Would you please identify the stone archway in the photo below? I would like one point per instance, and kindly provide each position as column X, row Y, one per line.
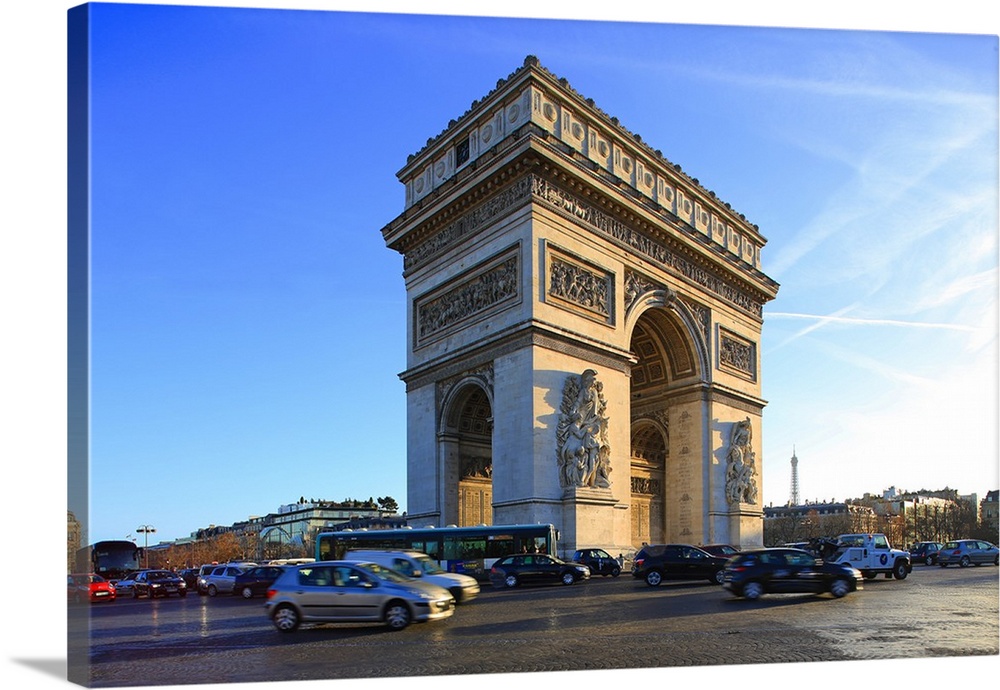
column 669, row 359
column 650, row 449
column 467, row 445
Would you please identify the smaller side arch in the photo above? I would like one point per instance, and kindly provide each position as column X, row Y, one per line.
column 465, row 451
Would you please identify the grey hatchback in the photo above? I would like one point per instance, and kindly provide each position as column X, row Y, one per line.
column 353, row 592
column 967, row 552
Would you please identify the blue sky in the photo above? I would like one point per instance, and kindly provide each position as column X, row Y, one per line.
column 247, row 319
column 247, row 166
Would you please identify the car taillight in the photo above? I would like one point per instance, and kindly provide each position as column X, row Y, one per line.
column 956, row 552
column 271, row 593
column 737, row 568
column 639, row 562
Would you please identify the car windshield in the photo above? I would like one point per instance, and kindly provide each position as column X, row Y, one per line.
column 383, row 573
column 161, row 575
column 428, row 565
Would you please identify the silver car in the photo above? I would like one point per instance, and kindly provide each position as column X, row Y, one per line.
column 221, row 580
column 965, row 552
column 353, row 592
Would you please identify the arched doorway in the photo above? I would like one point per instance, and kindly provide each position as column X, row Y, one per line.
column 468, row 436
column 649, row 463
column 666, row 362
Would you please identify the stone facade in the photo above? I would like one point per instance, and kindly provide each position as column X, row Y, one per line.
column 584, row 323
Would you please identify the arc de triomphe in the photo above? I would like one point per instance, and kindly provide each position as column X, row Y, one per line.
column 584, row 323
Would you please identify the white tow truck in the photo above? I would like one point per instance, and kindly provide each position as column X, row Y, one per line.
column 872, row 554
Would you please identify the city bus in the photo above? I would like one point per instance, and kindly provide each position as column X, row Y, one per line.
column 112, row 560
column 467, row 550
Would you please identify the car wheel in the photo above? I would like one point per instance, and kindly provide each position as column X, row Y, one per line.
column 996, row 560
column 943, row 565
column 247, row 593
column 135, row 593
column 928, row 561
column 397, row 615
column 616, row 571
column 568, row 579
column 840, row 587
column 869, row 575
column 899, row 570
column 286, row 618
column 752, row 590
column 718, row 577
column 654, row 578
column 212, row 590
column 510, row 581
column 457, row 593
column 964, row 563
column 183, row 593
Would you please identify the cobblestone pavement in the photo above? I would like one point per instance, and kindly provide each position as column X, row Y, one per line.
column 602, row 624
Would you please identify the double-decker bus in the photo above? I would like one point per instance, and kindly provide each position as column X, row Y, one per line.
column 468, row 550
column 112, row 560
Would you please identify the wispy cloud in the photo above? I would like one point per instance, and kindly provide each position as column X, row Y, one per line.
column 822, row 320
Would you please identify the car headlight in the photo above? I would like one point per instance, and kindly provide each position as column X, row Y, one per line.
column 422, row 594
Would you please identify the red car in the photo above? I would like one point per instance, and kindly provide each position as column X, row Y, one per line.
column 81, row 587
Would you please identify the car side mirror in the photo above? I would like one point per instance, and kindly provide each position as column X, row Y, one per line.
column 417, row 573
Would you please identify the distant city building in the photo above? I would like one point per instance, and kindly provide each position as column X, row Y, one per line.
column 989, row 515
column 296, row 524
column 794, row 523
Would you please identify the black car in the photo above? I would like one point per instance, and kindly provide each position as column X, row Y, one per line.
column 658, row 562
column 724, row 550
column 782, row 570
column 925, row 552
column 151, row 583
column 599, row 561
column 256, row 580
column 535, row 568
column 190, row 577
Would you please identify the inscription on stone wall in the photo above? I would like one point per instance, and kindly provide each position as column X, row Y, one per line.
column 685, row 467
column 475, row 296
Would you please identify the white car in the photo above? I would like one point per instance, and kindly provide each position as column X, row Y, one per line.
column 414, row 564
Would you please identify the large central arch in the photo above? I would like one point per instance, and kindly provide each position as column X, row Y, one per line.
column 670, row 360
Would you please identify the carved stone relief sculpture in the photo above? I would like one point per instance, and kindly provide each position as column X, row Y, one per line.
column 741, row 466
column 582, row 435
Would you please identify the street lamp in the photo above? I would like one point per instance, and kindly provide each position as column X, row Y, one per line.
column 144, row 530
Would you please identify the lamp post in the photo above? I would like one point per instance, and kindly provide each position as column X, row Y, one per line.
column 144, row 530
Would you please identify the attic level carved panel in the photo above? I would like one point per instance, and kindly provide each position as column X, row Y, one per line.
column 483, row 291
column 737, row 355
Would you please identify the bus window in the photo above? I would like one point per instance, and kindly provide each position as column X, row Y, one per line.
column 500, row 547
